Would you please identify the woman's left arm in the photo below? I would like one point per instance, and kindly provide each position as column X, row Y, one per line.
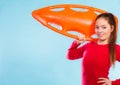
column 117, row 81
column 106, row 81
column 118, row 53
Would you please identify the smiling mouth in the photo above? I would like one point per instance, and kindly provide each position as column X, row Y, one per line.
column 100, row 35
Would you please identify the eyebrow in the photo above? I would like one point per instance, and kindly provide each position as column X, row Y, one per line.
column 101, row 25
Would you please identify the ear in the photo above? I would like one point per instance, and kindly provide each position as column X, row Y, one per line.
column 112, row 28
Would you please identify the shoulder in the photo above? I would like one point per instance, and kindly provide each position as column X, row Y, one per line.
column 117, row 47
column 89, row 43
column 118, row 52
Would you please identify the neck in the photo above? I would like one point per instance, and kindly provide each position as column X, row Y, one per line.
column 102, row 42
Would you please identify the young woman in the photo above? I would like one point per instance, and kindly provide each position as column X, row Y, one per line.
column 99, row 56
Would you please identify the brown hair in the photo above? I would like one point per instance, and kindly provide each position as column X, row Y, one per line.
column 113, row 37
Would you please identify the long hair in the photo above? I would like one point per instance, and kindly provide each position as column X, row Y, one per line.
column 113, row 36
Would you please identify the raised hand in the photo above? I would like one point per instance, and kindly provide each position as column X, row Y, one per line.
column 81, row 38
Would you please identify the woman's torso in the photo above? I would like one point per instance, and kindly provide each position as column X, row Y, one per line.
column 95, row 63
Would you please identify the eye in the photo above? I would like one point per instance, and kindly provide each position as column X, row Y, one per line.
column 104, row 27
column 96, row 27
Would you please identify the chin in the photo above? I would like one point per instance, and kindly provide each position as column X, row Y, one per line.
column 102, row 39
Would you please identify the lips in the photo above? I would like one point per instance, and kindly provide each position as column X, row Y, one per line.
column 100, row 35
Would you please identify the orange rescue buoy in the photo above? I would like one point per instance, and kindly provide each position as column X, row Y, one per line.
column 67, row 19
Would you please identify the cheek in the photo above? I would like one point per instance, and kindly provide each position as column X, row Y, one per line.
column 108, row 32
column 95, row 30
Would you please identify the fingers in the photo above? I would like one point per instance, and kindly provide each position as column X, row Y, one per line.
column 104, row 81
column 81, row 38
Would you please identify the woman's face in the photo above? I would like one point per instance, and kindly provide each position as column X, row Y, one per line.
column 103, row 29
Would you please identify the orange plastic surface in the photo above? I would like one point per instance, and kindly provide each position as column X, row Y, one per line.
column 67, row 19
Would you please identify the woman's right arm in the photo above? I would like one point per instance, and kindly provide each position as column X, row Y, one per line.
column 74, row 52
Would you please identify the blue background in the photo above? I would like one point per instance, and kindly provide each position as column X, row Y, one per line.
column 31, row 54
